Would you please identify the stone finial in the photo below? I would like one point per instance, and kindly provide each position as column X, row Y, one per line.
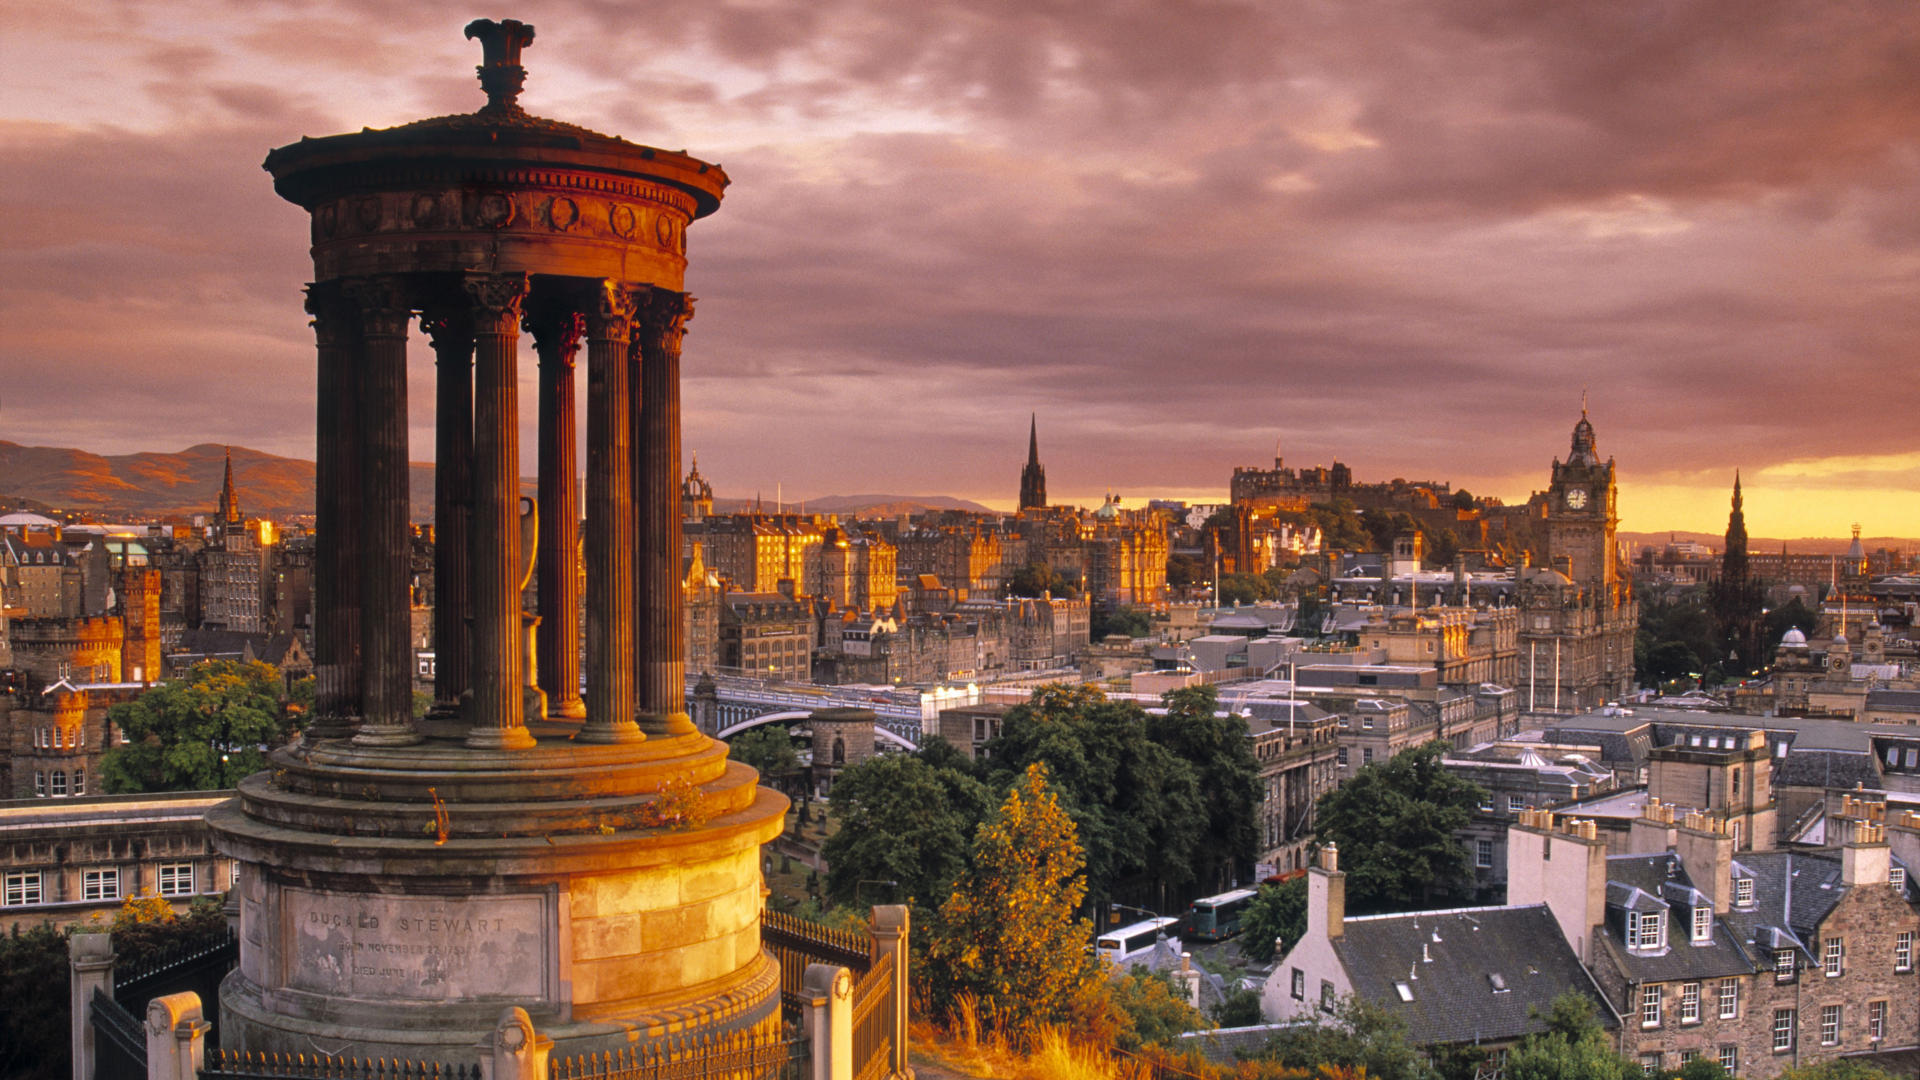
column 501, row 75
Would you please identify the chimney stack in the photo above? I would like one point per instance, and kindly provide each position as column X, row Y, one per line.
column 1327, row 895
column 1866, row 858
column 1706, row 850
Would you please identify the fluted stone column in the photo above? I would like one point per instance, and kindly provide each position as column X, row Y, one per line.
column 661, row 666
column 610, row 586
column 336, row 581
column 386, row 547
column 450, row 326
column 497, row 720
column 556, row 329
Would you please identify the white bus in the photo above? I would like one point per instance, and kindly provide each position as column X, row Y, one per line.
column 1130, row 941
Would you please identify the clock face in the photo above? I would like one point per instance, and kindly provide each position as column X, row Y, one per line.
column 1576, row 498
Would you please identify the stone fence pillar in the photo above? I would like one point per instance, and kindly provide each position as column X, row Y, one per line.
column 828, row 989
column 515, row 1051
column 90, row 960
column 889, row 931
column 176, row 1037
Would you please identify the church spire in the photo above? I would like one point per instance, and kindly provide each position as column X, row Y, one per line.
column 1033, row 478
column 229, row 497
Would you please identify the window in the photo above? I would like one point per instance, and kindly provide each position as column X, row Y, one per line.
column 1729, row 999
column 1646, row 929
column 1299, row 985
column 1782, row 1030
column 1366, row 755
column 1743, row 891
column 1650, row 1005
column 1783, row 965
column 1897, row 877
column 176, row 879
column 22, row 888
column 100, row 885
column 1483, row 853
column 1876, row 1021
column 1729, row 1057
column 1829, row 1025
column 1486, row 805
column 59, row 784
column 1736, row 781
column 1343, row 757
column 1903, row 951
column 1650, row 1063
column 1366, row 722
column 1515, row 803
column 1830, row 956
column 40, row 782
column 1690, row 1003
column 1326, row 995
column 1703, row 923
column 1688, row 1057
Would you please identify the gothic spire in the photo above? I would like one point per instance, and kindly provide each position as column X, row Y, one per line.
column 1033, row 478
column 229, row 497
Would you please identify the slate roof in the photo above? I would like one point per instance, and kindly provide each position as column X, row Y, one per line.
column 1227, row 1046
column 1649, row 882
column 1448, row 961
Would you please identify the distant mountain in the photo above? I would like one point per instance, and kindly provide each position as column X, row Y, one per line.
column 160, row 485
column 868, row 506
column 1805, row 545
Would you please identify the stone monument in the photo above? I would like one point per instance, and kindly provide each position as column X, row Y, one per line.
column 402, row 881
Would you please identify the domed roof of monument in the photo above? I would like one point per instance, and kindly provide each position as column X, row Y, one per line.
column 1793, row 639
column 500, row 131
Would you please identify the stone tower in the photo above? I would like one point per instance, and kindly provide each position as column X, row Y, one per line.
column 1581, row 515
column 696, row 495
column 403, row 881
column 229, row 496
column 1033, row 478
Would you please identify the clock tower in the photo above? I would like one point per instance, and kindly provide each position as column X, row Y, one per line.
column 1581, row 517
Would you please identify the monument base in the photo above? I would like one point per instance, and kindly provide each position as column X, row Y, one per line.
column 394, row 900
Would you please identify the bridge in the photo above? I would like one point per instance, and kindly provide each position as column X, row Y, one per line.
column 902, row 715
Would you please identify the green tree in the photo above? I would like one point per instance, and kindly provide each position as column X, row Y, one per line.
column 1151, row 1011
column 768, row 748
column 1463, row 500
column 1244, row 588
column 1239, row 1007
column 1184, row 570
column 1357, row 1034
column 1007, row 935
column 202, row 732
column 1220, row 752
column 1136, row 806
column 1276, row 911
column 1037, row 579
column 1130, row 621
column 33, row 1004
column 1396, row 824
column 1340, row 527
column 1574, row 1047
column 904, row 820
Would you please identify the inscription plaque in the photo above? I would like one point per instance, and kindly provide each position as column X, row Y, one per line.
column 416, row 948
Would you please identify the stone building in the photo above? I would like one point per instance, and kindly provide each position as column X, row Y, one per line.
column 1296, row 745
column 64, row 863
column 842, row 738
column 236, row 568
column 1033, row 478
column 767, row 633
column 1759, row 960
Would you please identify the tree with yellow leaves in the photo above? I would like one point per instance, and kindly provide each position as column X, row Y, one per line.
column 1007, row 938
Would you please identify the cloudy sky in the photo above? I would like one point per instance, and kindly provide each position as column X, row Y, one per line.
column 1404, row 235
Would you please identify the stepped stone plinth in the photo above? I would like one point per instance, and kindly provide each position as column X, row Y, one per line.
column 402, row 881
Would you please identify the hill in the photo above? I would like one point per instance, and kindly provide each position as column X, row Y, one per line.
column 176, row 485
column 1815, row 545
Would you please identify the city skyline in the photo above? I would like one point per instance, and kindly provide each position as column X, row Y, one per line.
column 1405, row 241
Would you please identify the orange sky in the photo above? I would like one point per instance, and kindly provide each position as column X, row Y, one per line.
column 1406, row 236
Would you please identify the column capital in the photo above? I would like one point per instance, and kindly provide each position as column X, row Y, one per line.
column 557, row 327
column 611, row 312
column 497, row 300
column 384, row 303
column 662, row 317
column 449, row 326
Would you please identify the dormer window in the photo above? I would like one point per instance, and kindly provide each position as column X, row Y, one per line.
column 1743, row 891
column 1897, row 877
column 1702, row 924
column 1783, row 965
column 1646, row 929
